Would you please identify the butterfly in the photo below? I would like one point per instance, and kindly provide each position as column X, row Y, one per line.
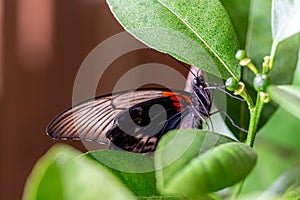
column 134, row 120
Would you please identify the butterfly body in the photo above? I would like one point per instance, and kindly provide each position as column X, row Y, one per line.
column 134, row 120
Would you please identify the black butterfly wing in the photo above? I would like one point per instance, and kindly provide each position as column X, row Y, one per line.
column 109, row 118
column 149, row 121
column 83, row 121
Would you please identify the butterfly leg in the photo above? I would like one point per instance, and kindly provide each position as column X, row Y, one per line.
column 221, row 88
column 231, row 121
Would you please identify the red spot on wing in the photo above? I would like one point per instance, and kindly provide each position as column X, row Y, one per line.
column 168, row 93
column 187, row 99
column 177, row 99
column 177, row 105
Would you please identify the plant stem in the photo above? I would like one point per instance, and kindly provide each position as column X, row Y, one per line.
column 272, row 57
column 254, row 119
column 255, row 112
column 252, row 68
column 248, row 99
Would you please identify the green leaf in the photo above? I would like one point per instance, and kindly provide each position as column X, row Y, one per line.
column 136, row 171
column 197, row 32
column 272, row 161
column 296, row 78
column 257, row 195
column 291, row 193
column 287, row 96
column 59, row 175
column 288, row 183
column 285, row 61
column 193, row 162
column 259, row 37
column 285, row 19
column 239, row 13
column 282, row 129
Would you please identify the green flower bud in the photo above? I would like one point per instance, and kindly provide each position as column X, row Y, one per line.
column 231, row 84
column 261, row 82
column 241, row 54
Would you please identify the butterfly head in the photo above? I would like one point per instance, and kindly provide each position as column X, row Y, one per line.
column 199, row 81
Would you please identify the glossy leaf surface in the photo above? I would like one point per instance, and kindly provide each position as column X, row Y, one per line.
column 59, row 175
column 285, row 19
column 288, row 97
column 136, row 171
column 196, row 32
column 205, row 160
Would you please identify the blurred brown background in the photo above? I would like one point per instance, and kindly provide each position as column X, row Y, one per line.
column 42, row 44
